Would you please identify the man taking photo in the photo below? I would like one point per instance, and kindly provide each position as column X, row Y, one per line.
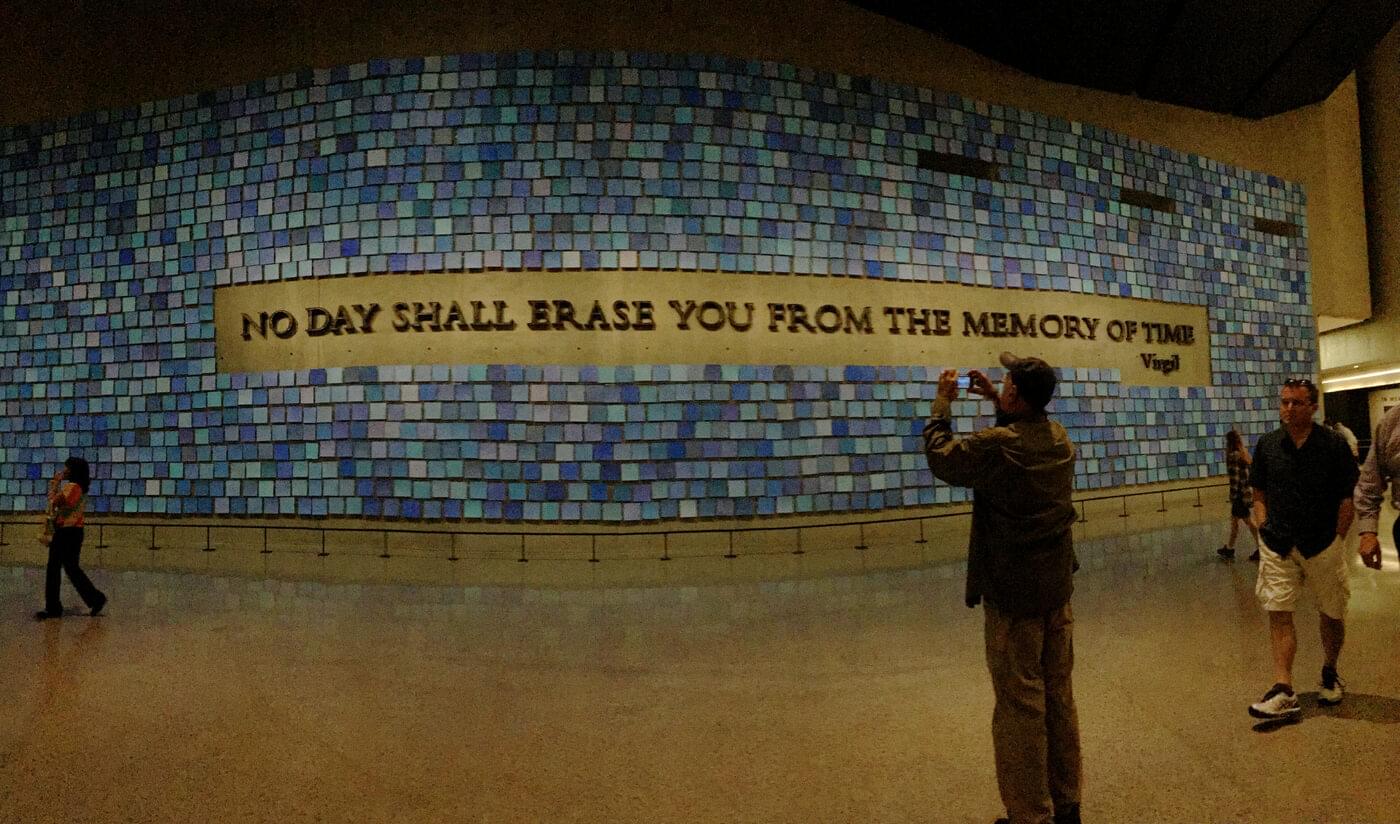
column 1020, row 566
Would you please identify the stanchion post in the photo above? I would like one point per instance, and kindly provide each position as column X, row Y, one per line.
column 730, row 553
column 452, row 554
column 265, row 550
column 1164, row 502
column 522, row 559
column 385, row 553
column 3, row 542
column 665, row 546
column 593, row 549
column 323, row 553
column 1083, row 512
column 208, row 538
column 101, row 543
column 153, row 546
column 922, row 539
column 861, row 546
column 1198, row 503
column 799, row 550
column 1124, row 513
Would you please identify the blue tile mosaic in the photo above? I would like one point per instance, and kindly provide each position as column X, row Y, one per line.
column 116, row 226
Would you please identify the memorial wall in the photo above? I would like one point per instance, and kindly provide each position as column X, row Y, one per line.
column 562, row 286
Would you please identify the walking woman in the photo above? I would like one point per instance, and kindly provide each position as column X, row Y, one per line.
column 68, row 497
column 1237, row 462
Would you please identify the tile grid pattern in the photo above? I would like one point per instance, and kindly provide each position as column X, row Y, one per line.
column 116, row 226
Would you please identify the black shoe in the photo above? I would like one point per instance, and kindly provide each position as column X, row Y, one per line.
column 44, row 615
column 1002, row 821
column 1331, row 691
column 1254, row 556
column 97, row 610
column 1068, row 815
column 1226, row 553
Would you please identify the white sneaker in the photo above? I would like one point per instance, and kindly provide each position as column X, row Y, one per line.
column 1278, row 702
column 1329, row 694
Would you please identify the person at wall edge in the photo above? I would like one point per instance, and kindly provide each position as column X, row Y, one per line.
column 1303, row 477
column 68, row 498
column 1381, row 469
column 1020, row 567
column 1241, row 496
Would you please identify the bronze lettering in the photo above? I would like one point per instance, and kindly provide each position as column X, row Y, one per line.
column 893, row 313
column 1022, row 328
column 500, row 324
column 645, row 321
column 717, row 316
column 918, row 318
column 427, row 314
column 366, row 316
column 1059, row 326
column 828, row 318
column 859, row 323
column 318, row 321
column 976, row 327
column 597, row 319
column 564, row 313
column 401, row 321
column 731, row 310
column 940, row 322
column 797, row 314
column 622, row 323
column 283, row 324
column 683, row 312
column 776, row 313
column 539, row 315
column 455, row 318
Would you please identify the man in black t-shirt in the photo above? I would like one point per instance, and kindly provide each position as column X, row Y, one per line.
column 1303, row 475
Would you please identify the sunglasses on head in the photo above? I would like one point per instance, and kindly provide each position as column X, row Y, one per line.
column 1298, row 382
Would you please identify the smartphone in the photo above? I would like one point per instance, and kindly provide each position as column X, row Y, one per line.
column 964, row 381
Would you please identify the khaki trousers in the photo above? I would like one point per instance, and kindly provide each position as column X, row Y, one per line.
column 1035, row 728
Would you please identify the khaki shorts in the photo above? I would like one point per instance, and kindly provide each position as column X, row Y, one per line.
column 1281, row 579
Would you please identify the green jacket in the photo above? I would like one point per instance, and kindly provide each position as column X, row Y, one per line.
column 1021, row 553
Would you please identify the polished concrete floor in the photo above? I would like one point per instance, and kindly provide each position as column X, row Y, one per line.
column 859, row 698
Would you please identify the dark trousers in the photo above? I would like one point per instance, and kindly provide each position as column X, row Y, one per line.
column 63, row 554
column 1035, row 726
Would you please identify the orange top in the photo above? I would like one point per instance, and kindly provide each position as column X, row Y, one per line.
column 68, row 505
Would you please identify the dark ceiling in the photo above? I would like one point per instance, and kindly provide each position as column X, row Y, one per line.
column 1251, row 58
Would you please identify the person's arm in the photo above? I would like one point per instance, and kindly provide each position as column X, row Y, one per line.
column 55, row 489
column 1244, row 455
column 1345, row 513
column 1258, row 478
column 1366, row 502
column 958, row 461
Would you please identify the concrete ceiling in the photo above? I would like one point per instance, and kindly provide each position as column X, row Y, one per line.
column 1250, row 58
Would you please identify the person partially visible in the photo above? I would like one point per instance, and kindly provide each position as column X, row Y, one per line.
column 1347, row 435
column 1020, row 567
column 1382, row 469
column 68, row 499
column 1303, row 478
column 1237, row 463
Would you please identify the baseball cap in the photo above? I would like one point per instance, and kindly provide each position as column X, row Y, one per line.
column 1034, row 378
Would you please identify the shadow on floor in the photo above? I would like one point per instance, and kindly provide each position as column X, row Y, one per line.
column 1357, row 706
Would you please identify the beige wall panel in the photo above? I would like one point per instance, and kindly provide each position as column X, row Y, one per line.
column 698, row 318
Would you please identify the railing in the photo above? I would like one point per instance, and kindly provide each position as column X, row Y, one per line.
column 666, row 535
